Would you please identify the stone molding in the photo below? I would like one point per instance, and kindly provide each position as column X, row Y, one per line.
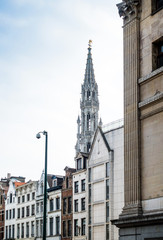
column 156, row 97
column 150, row 75
column 127, row 8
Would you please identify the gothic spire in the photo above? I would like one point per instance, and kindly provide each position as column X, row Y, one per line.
column 89, row 106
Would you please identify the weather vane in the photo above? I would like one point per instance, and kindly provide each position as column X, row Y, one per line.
column 90, row 43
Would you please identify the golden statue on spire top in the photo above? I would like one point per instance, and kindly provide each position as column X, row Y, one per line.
column 90, row 43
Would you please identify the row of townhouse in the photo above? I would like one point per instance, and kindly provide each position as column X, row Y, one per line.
column 81, row 204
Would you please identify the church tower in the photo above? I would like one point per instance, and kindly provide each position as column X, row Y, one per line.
column 89, row 105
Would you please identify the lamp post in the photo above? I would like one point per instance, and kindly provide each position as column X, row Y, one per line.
column 45, row 181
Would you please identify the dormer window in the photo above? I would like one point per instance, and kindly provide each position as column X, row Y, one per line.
column 54, row 182
column 79, row 164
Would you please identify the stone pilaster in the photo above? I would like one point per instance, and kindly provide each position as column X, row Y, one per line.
column 129, row 11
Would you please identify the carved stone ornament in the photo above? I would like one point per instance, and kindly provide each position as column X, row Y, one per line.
column 127, row 7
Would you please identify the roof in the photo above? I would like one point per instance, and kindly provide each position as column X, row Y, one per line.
column 17, row 184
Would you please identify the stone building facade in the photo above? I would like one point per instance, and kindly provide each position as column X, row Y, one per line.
column 142, row 215
column 79, row 198
column 67, row 204
column 105, row 181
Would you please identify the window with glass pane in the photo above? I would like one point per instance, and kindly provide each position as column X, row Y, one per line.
column 89, row 175
column 28, row 197
column 57, row 225
column 6, row 232
column 33, row 209
column 64, row 206
column 89, row 233
column 67, row 182
column 89, row 199
column 27, row 211
column 13, row 213
column 18, row 199
column 57, row 203
column 69, row 228
column 18, row 230
column 83, row 185
column 27, row 229
column 83, row 226
column 23, row 198
column 64, row 228
column 107, row 169
column 18, row 212
column 33, row 195
column 22, row 231
column 83, row 204
column 42, row 206
column 79, row 164
column 13, row 231
column 76, row 227
column 10, row 214
column 37, row 228
column 89, row 217
column 51, row 226
column 41, row 228
column 51, row 204
column 107, row 189
column 32, row 228
column 76, row 205
column 76, row 186
column 107, row 232
column 69, row 204
column 6, row 214
column 22, row 212
column 9, row 231
column 107, row 211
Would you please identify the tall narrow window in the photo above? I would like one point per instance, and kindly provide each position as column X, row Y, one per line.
column 69, row 228
column 88, row 95
column 22, row 212
column 33, row 209
column 41, row 228
column 79, row 164
column 10, row 197
column 157, row 54
column 18, row 230
column 51, row 204
column 107, row 211
column 107, row 232
column 89, row 196
column 89, row 233
column 32, row 228
column 94, row 122
column 76, row 205
column 76, row 227
column 88, row 122
column 107, row 169
column 83, row 204
column 67, row 182
column 13, row 231
column 83, row 121
column 27, row 229
column 37, row 228
column 13, row 213
column 10, row 232
column 64, row 206
column 83, row 226
column 57, row 220
column 107, row 189
column 89, row 216
column 89, row 175
column 6, row 214
column 88, row 147
column 51, row 226
column 22, row 230
column 6, row 232
column 76, row 186
column 27, row 211
column 18, row 212
column 83, row 185
column 57, row 203
column 69, row 204
column 93, row 95
column 64, row 228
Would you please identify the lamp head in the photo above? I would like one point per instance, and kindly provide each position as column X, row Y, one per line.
column 38, row 135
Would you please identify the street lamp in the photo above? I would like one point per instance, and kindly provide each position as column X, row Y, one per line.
column 45, row 181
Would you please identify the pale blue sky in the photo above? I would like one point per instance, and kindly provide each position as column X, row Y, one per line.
column 43, row 51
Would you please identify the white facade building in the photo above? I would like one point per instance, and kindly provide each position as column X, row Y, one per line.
column 79, row 198
column 54, row 187
column 10, row 207
column 26, row 205
column 105, row 181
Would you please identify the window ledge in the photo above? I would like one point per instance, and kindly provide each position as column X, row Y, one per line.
column 151, row 75
column 152, row 99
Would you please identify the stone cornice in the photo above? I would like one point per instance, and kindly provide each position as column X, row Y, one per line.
column 158, row 96
column 127, row 8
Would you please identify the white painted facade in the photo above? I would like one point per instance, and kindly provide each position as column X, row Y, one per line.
column 79, row 205
column 10, row 211
column 105, row 182
column 26, row 208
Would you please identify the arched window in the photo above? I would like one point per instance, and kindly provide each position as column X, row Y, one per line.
column 94, row 122
column 88, row 146
column 88, row 95
column 88, row 122
column 93, row 95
